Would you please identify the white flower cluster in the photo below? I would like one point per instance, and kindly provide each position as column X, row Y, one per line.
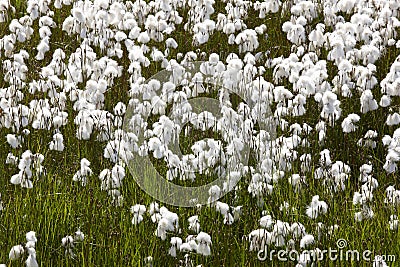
column 331, row 63
column 168, row 222
column 364, row 197
column 84, row 172
column 283, row 234
column 68, row 242
column 333, row 175
column 231, row 214
column 111, row 181
column 316, row 207
column 201, row 244
column 17, row 251
column 5, row 7
column 393, row 155
column 29, row 165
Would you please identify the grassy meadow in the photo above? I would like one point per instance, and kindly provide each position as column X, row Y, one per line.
column 57, row 206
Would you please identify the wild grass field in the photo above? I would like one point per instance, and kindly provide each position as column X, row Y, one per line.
column 310, row 88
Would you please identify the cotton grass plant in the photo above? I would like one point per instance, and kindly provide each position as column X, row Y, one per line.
column 325, row 74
